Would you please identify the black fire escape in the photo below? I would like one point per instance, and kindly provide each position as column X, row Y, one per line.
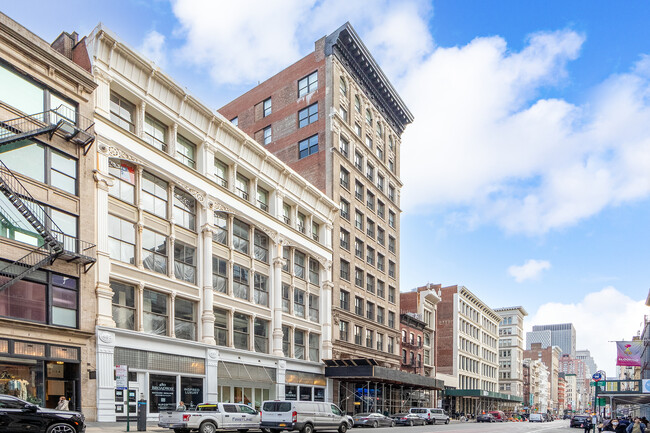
column 55, row 243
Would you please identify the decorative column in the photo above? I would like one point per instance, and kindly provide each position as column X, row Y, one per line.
column 211, row 368
column 251, row 333
column 105, row 376
column 326, row 311
column 172, row 232
column 140, row 307
column 139, row 124
column 253, row 195
column 233, row 178
column 140, row 223
column 103, row 289
column 207, row 315
column 278, row 263
column 231, row 312
column 172, row 309
column 171, row 148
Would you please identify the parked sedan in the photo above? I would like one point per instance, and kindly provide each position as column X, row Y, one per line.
column 372, row 420
column 409, row 419
column 21, row 416
column 485, row 417
column 578, row 420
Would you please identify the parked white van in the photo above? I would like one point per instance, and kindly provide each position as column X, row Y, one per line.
column 303, row 416
column 431, row 415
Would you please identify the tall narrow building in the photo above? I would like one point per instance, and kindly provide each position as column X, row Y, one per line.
column 334, row 118
column 511, row 351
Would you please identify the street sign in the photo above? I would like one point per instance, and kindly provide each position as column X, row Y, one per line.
column 599, row 383
column 597, row 376
column 121, row 377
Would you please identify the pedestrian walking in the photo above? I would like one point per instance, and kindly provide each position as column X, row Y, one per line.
column 636, row 427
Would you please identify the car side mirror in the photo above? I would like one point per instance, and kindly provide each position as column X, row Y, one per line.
column 30, row 408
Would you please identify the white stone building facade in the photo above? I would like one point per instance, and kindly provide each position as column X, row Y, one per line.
column 511, row 350
column 203, row 290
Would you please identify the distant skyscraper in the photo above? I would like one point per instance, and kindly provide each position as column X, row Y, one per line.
column 586, row 357
column 541, row 337
column 562, row 335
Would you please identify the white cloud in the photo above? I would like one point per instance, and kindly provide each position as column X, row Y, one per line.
column 531, row 270
column 153, row 47
column 600, row 317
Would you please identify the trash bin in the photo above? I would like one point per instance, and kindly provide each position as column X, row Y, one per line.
column 142, row 415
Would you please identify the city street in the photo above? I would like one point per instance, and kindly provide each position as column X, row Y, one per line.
column 454, row 427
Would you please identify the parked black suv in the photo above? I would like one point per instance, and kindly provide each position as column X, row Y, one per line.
column 19, row 416
column 578, row 420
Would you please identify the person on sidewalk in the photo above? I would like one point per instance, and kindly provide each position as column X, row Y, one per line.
column 181, row 406
column 636, row 427
column 63, row 404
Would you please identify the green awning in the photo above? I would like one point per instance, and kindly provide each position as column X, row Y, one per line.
column 482, row 393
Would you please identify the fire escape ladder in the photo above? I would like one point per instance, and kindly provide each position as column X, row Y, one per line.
column 21, row 268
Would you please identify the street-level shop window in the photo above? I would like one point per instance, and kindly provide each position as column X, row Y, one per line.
column 162, row 393
column 154, row 312
column 290, row 392
column 305, row 393
column 155, row 195
column 123, row 305
column 185, row 319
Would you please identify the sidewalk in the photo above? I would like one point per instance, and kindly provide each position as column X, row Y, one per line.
column 100, row 427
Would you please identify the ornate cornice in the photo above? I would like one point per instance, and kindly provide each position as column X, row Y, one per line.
column 114, row 152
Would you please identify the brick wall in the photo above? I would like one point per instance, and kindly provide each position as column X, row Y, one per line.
column 445, row 331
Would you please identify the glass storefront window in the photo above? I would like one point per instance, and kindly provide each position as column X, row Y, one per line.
column 319, row 394
column 162, row 393
column 23, row 381
column 191, row 391
column 290, row 392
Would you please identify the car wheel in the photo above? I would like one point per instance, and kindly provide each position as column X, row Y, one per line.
column 447, row 421
column 207, row 427
column 343, row 427
column 375, row 424
column 308, row 428
column 411, row 423
column 61, row 428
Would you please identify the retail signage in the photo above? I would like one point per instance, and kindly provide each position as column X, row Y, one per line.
column 628, row 353
column 121, row 377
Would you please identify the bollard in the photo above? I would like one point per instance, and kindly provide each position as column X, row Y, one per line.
column 142, row 415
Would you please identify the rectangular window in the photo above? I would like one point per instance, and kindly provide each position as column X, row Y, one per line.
column 370, row 283
column 240, row 284
column 63, row 171
column 370, row 311
column 299, row 264
column 345, row 239
column 241, row 186
column 185, row 151
column 391, row 269
column 358, row 277
column 380, row 315
column 299, row 302
column 308, row 84
column 219, row 274
column 358, row 220
column 122, row 112
column 267, row 106
column 391, row 244
column 343, row 330
column 370, row 227
column 65, row 297
column 358, row 190
column 369, row 339
column 123, row 305
column 313, row 308
column 381, row 208
column 240, row 330
column 381, row 236
column 391, row 218
column 221, row 327
column 261, row 286
column 344, row 146
column 221, row 172
column 185, row 319
column 391, row 319
column 286, row 298
column 315, row 230
column 308, row 115
column 155, row 133
column 121, row 239
column 268, row 135
column 391, row 345
column 154, row 312
column 20, row 92
column 379, row 151
column 345, row 209
column 155, row 195
column 344, row 178
column 369, row 142
column 357, row 129
column 184, row 209
column 286, row 341
column 391, row 193
column 262, row 199
column 261, row 246
column 370, row 200
column 380, row 182
column 358, row 306
column 358, row 248
column 380, row 261
column 344, row 300
column 344, row 114
column 185, row 262
column 286, row 213
column 235, row 121
column 154, row 251
column 123, row 175
column 314, row 347
column 240, row 236
column 391, row 294
column 357, row 334
column 300, row 222
column 381, row 289
column 221, row 228
column 380, row 342
column 314, row 271
column 286, row 255
column 308, row 146
column 370, row 172
column 370, row 256
column 358, row 160
column 261, row 329
column 299, row 344
column 345, row 270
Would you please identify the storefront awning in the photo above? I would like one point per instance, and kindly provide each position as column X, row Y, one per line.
column 247, row 373
column 482, row 393
column 375, row 373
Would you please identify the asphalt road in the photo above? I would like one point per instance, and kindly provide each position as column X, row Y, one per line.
column 454, row 427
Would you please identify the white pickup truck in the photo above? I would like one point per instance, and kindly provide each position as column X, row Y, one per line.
column 212, row 417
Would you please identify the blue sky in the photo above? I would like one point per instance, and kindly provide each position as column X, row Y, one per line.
column 527, row 169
